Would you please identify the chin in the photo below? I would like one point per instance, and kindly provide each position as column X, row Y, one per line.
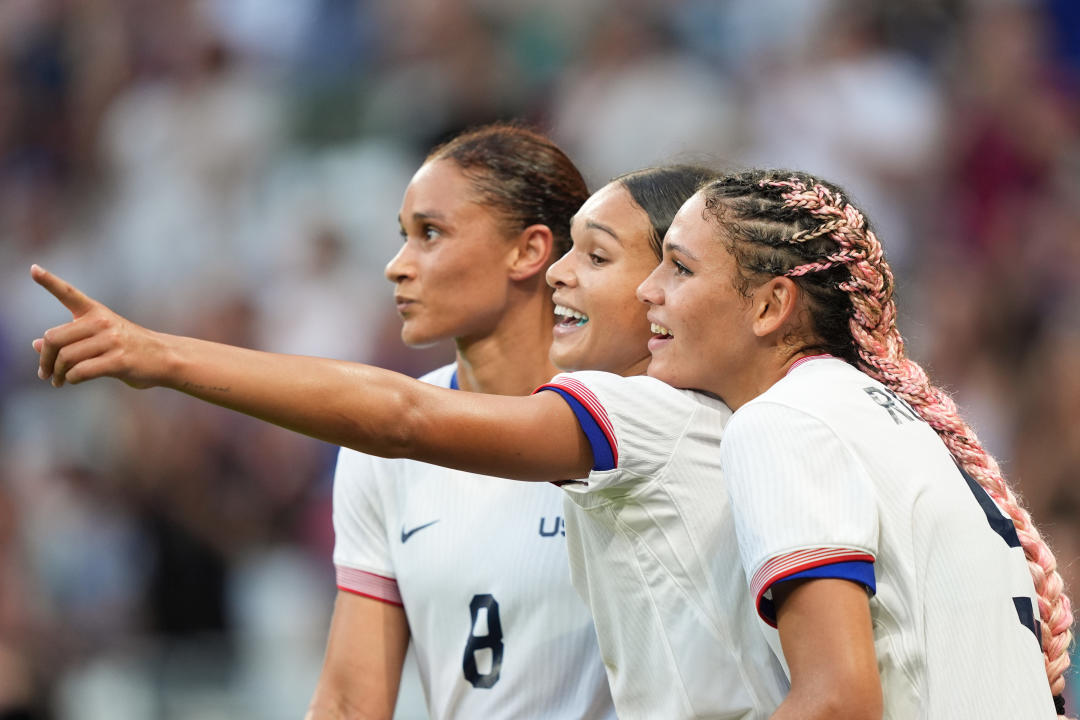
column 418, row 340
column 658, row 371
column 565, row 362
column 566, row 356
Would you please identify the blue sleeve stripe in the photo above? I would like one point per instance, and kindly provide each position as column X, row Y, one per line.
column 604, row 457
column 858, row 571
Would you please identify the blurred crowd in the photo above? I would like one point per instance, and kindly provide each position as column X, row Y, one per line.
column 232, row 169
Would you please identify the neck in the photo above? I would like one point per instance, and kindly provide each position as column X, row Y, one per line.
column 638, row 368
column 762, row 375
column 513, row 359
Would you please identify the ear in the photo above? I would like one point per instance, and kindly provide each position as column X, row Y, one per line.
column 775, row 304
column 531, row 253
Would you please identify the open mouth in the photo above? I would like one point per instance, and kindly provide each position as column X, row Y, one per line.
column 659, row 331
column 569, row 317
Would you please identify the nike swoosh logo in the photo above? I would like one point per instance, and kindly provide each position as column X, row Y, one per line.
column 406, row 535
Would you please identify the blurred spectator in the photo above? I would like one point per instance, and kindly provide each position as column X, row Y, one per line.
column 185, row 145
column 20, row 694
column 636, row 100
column 853, row 109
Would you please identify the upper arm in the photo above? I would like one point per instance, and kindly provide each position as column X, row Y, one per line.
column 536, row 437
column 364, row 656
column 362, row 514
column 827, row 637
column 803, row 502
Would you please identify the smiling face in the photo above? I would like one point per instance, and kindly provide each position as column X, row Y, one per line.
column 450, row 275
column 703, row 337
column 600, row 325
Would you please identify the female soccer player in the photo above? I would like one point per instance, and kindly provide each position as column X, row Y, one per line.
column 863, row 501
column 650, row 535
column 481, row 221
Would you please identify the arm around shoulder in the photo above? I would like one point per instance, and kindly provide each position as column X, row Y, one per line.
column 364, row 656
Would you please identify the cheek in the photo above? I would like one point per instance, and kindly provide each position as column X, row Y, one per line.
column 635, row 326
column 695, row 333
column 720, row 331
column 622, row 303
column 460, row 279
column 431, row 271
column 474, row 296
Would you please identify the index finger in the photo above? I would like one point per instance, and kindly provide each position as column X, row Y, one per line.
column 72, row 298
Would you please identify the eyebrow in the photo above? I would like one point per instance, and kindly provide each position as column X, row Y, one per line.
column 593, row 225
column 674, row 247
column 421, row 216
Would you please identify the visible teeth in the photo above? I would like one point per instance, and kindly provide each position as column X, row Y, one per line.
column 563, row 311
column 659, row 329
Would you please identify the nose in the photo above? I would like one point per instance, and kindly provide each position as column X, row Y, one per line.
column 559, row 273
column 400, row 267
column 649, row 291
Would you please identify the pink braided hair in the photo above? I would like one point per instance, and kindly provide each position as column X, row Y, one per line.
column 881, row 352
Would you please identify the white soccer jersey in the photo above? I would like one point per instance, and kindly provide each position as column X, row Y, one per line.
column 832, row 475
column 479, row 564
column 654, row 553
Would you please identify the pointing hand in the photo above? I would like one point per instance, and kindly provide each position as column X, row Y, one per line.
column 96, row 343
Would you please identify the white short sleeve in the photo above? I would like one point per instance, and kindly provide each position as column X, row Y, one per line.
column 632, row 423
column 802, row 501
column 362, row 559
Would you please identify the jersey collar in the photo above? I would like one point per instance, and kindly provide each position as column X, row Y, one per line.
column 806, row 359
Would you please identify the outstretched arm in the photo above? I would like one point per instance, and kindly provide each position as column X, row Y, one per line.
column 358, row 406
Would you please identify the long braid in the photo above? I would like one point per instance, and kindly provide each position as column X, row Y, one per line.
column 833, row 250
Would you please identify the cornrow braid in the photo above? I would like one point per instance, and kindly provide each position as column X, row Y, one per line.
column 792, row 224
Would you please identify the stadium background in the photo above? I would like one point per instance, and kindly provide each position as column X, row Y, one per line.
column 232, row 169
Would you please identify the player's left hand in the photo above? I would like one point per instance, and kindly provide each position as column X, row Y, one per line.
column 96, row 343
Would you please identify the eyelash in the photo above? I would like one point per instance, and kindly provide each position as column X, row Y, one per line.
column 596, row 259
column 681, row 269
column 428, row 232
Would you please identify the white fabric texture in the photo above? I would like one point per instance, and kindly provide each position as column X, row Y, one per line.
column 653, row 551
column 479, row 562
column 828, row 458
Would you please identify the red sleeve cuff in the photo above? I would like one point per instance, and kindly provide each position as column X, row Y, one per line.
column 785, row 566
column 360, row 582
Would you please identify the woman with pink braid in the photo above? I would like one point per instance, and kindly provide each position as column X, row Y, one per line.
column 871, row 522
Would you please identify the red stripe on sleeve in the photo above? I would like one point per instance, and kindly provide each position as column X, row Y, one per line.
column 360, row 582
column 782, row 566
column 588, row 399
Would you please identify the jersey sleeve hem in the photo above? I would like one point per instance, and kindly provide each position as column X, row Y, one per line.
column 846, row 563
column 593, row 419
column 361, row 582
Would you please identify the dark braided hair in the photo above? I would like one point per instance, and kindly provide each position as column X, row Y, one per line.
column 769, row 237
column 778, row 222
